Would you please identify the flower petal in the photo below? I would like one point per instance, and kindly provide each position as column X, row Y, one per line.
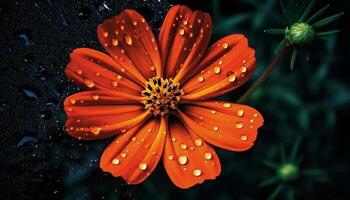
column 130, row 41
column 227, row 65
column 183, row 39
column 135, row 154
column 187, row 159
column 226, row 125
column 92, row 70
column 101, row 114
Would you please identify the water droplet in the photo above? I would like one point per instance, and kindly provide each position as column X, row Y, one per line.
column 119, row 77
column 143, row 166
column 226, row 105
column 79, row 72
column 198, row 142
column 217, row 69
column 213, row 111
column 170, row 157
column 95, row 130
column 225, row 45
column 30, row 92
column 123, row 155
column 243, row 69
column 185, row 22
column 232, row 78
column 181, row 31
column 196, row 172
column 207, row 155
column 152, row 68
column 182, row 160
column 240, row 113
column 199, row 21
column 116, row 161
column 134, row 23
column 255, row 115
column 72, row 101
column 215, row 128
column 105, row 34
column 84, row 13
column 115, row 42
column 128, row 39
column 89, row 83
column 183, row 146
column 201, row 79
column 28, row 58
column 114, row 83
column 95, row 97
column 239, row 125
column 25, row 36
column 244, row 137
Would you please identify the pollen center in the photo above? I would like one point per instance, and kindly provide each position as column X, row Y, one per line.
column 161, row 95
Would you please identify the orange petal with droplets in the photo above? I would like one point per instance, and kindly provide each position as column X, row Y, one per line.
column 223, row 124
column 101, row 114
column 183, row 39
column 187, row 158
column 227, row 65
column 129, row 40
column 135, row 154
column 93, row 70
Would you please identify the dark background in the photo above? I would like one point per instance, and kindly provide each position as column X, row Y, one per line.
column 40, row 161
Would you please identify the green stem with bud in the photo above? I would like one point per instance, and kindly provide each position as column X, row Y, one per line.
column 281, row 55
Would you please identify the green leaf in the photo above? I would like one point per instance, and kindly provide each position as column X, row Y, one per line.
column 327, row 33
column 317, row 14
column 293, row 154
column 269, row 181
column 275, row 31
column 269, row 164
column 326, row 21
column 292, row 60
column 280, row 46
column 276, row 192
column 307, row 10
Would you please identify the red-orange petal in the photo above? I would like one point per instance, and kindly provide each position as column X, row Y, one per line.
column 183, row 39
column 227, row 65
column 135, row 154
column 187, row 158
column 93, row 70
column 129, row 39
column 101, row 114
column 223, row 124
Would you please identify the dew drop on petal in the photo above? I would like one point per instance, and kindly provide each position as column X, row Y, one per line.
column 143, row 166
column 217, row 70
column 225, row 45
column 181, row 31
column 128, row 39
column 95, row 130
column 201, row 79
column 240, row 113
column 207, row 155
column 198, row 142
column 226, row 105
column 115, row 42
column 244, row 137
column 239, row 125
column 95, row 97
column 115, row 161
column 182, row 160
column 89, row 83
column 196, row 172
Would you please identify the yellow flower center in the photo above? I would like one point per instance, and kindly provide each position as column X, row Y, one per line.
column 161, row 95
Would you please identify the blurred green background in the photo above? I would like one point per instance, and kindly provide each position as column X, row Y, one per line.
column 306, row 110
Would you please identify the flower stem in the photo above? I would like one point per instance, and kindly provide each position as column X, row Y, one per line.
column 281, row 55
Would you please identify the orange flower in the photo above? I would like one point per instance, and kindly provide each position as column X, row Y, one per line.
column 154, row 96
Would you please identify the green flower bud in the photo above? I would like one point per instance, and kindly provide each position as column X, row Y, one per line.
column 300, row 34
column 288, row 172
